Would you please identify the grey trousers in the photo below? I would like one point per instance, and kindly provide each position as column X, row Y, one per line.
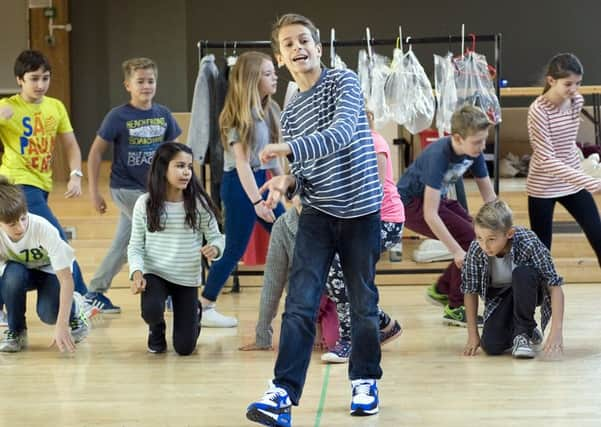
column 116, row 257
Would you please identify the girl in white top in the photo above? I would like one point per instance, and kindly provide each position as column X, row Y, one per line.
column 555, row 173
column 34, row 257
column 166, row 246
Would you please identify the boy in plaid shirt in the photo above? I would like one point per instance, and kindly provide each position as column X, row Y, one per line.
column 512, row 270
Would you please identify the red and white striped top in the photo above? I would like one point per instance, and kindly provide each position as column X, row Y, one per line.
column 555, row 169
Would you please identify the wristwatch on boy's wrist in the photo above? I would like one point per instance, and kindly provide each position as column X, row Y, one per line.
column 76, row 172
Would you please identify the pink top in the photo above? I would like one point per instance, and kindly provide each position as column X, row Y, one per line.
column 555, row 169
column 392, row 209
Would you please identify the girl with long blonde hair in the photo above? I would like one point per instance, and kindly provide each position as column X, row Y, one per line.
column 249, row 121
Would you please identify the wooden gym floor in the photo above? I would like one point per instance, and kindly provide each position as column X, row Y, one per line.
column 112, row 381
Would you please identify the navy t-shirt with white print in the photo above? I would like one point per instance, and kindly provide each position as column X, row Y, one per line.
column 438, row 167
column 136, row 135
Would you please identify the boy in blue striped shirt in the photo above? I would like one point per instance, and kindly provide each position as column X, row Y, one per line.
column 334, row 170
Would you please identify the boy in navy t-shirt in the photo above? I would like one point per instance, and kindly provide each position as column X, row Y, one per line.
column 135, row 130
column 428, row 211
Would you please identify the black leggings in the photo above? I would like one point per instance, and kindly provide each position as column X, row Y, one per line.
column 580, row 205
column 186, row 321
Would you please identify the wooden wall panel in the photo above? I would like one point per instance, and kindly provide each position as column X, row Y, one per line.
column 58, row 55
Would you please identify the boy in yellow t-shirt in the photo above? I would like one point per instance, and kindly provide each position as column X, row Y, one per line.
column 31, row 124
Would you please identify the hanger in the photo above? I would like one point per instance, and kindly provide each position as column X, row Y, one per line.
column 462, row 39
column 231, row 60
column 407, row 42
column 400, row 39
column 332, row 50
column 368, row 36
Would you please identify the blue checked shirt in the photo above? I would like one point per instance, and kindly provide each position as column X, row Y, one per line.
column 526, row 250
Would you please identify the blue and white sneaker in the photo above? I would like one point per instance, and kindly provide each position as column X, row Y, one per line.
column 273, row 409
column 365, row 398
column 102, row 303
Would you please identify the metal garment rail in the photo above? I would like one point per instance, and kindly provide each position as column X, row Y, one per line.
column 496, row 39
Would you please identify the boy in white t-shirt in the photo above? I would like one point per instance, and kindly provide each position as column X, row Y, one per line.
column 34, row 257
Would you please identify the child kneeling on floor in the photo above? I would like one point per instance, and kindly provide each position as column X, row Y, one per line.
column 512, row 270
column 34, row 257
column 169, row 224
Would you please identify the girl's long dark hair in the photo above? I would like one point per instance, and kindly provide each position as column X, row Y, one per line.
column 561, row 66
column 157, row 190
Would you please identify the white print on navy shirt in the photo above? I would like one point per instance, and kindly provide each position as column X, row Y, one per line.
column 149, row 131
column 455, row 172
column 144, row 135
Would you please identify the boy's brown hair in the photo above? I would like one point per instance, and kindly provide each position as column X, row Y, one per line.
column 469, row 120
column 13, row 204
column 133, row 64
column 291, row 19
column 495, row 216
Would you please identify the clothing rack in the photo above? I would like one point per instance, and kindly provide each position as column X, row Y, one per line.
column 496, row 39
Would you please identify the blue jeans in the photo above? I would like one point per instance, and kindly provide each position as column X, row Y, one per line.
column 14, row 284
column 240, row 219
column 37, row 204
column 319, row 237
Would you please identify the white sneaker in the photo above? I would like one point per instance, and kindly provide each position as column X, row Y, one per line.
column 82, row 306
column 211, row 318
column 3, row 318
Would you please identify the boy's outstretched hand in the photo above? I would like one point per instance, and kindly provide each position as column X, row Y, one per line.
column 271, row 151
column 277, row 187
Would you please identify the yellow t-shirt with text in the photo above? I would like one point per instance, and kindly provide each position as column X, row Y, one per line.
column 29, row 137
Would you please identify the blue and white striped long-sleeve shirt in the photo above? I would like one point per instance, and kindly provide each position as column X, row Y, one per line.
column 333, row 156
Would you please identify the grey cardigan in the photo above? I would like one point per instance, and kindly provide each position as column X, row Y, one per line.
column 277, row 266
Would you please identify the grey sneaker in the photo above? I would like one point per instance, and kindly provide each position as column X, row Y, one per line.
column 13, row 342
column 522, row 349
column 79, row 327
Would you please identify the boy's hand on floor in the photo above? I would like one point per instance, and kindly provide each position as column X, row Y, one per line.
column 554, row 345
column 63, row 339
column 254, row 347
column 471, row 348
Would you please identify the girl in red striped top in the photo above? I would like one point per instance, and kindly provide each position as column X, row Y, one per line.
column 555, row 173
